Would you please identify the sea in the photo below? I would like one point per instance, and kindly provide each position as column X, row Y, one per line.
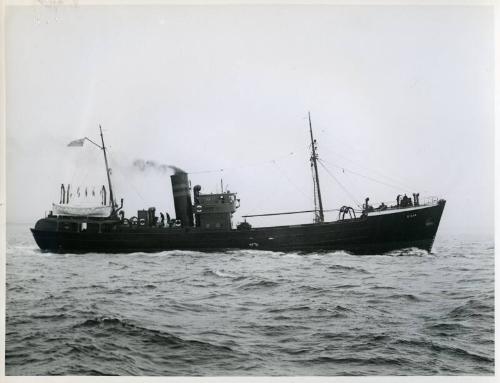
column 250, row 312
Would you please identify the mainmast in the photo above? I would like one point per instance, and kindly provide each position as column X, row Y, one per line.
column 108, row 171
column 314, row 158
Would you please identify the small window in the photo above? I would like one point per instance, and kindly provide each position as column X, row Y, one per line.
column 68, row 226
column 84, row 226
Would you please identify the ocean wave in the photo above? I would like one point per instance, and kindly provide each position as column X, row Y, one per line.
column 277, row 329
column 15, row 288
column 259, row 285
column 410, row 251
column 348, row 268
column 25, row 250
column 446, row 329
column 129, row 329
column 472, row 308
column 122, row 266
column 341, row 308
column 314, row 289
column 450, row 350
column 278, row 310
column 346, row 286
column 250, row 312
column 240, row 278
column 51, row 317
column 253, row 253
column 358, row 360
column 457, row 351
column 291, row 255
column 335, row 312
column 169, row 253
column 382, row 288
column 219, row 273
column 408, row 297
column 329, row 253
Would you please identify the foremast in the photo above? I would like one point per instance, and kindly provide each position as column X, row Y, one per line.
column 108, row 173
column 317, row 191
column 80, row 142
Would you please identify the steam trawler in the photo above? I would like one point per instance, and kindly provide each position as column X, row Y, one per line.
column 206, row 224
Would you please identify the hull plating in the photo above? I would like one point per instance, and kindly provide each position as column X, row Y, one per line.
column 377, row 233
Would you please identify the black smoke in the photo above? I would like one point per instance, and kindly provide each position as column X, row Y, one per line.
column 145, row 165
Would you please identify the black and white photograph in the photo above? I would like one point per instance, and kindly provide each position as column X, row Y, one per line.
column 227, row 189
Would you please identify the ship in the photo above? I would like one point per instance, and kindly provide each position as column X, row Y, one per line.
column 204, row 222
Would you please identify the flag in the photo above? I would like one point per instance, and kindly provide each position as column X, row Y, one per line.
column 77, row 142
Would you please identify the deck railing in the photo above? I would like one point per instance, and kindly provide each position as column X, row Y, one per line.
column 393, row 205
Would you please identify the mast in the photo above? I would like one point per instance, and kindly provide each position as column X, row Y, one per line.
column 314, row 158
column 111, row 199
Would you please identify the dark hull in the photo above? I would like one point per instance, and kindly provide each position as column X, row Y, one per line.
column 372, row 234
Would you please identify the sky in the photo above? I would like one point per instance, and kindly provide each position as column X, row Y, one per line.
column 401, row 101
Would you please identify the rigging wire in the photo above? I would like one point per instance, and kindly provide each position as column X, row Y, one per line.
column 391, row 178
column 129, row 180
column 291, row 212
column 314, row 193
column 399, row 181
column 398, row 188
column 338, row 183
column 244, row 166
column 79, row 178
column 351, row 183
column 289, row 180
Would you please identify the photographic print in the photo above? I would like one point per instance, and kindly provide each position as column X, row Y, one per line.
column 249, row 190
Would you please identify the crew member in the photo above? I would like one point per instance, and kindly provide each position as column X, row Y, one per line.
column 404, row 203
column 368, row 207
column 382, row 206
